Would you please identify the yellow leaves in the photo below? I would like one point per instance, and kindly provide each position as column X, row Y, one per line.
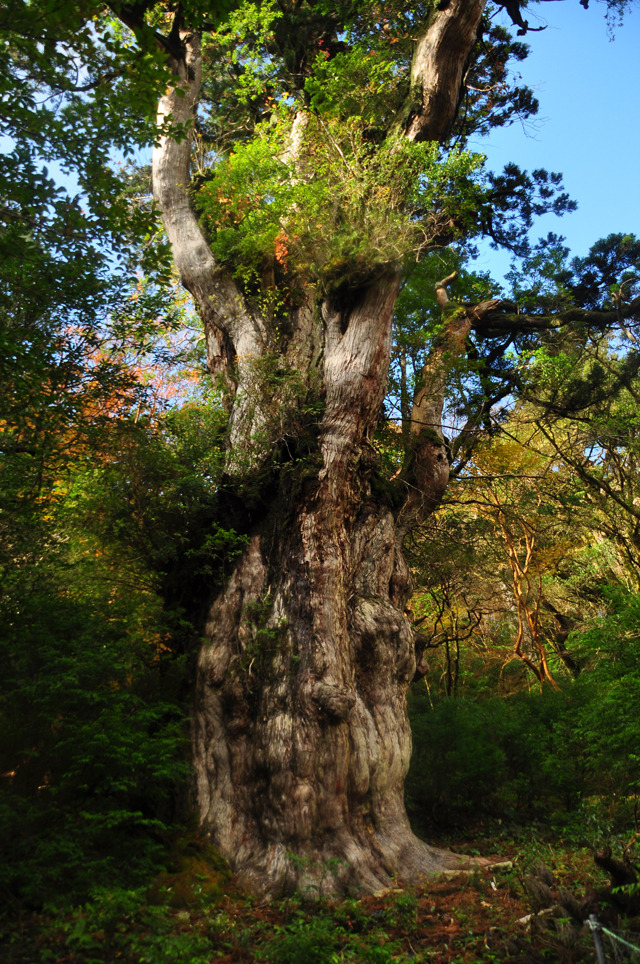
column 508, row 455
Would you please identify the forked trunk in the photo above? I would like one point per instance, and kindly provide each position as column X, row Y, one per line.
column 300, row 732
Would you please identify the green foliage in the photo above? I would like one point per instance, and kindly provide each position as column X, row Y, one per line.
column 322, row 940
column 92, row 732
column 609, row 723
column 612, row 266
column 107, row 525
column 99, row 612
column 83, row 294
column 547, row 281
column 418, row 320
column 263, row 53
column 303, row 942
column 155, row 497
column 118, row 924
column 342, row 213
column 363, row 84
column 130, row 928
column 70, row 96
column 492, row 97
column 243, row 39
column 539, row 283
column 568, row 754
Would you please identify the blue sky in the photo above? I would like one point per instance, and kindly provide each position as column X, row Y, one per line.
column 588, row 125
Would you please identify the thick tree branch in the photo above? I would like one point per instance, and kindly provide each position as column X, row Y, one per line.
column 231, row 329
column 132, row 16
column 516, row 322
column 438, row 69
column 442, row 295
column 426, row 469
column 429, row 397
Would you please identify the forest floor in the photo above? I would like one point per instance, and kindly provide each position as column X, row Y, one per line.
column 197, row 917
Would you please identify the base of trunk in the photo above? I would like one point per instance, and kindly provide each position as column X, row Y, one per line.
column 347, row 863
column 301, row 735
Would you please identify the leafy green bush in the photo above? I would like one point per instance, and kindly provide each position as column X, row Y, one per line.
column 92, row 736
column 609, row 722
column 457, row 760
column 303, row 942
column 323, row 940
column 121, row 923
column 152, row 503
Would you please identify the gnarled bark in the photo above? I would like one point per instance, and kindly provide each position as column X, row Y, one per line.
column 439, row 63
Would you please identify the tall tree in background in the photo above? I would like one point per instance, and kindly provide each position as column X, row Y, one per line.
column 338, row 135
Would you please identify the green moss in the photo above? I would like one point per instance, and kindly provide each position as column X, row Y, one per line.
column 452, row 311
column 199, row 877
column 429, row 435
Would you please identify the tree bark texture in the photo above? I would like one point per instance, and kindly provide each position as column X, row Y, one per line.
column 301, row 740
column 439, row 64
column 301, row 737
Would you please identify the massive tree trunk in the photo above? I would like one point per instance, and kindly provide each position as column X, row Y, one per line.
column 301, row 739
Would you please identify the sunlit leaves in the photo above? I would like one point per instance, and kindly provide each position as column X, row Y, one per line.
column 339, row 211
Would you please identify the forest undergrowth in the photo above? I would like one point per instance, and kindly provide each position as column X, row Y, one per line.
column 196, row 915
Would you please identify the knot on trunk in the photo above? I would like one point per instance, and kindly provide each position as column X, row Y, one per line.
column 336, row 702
